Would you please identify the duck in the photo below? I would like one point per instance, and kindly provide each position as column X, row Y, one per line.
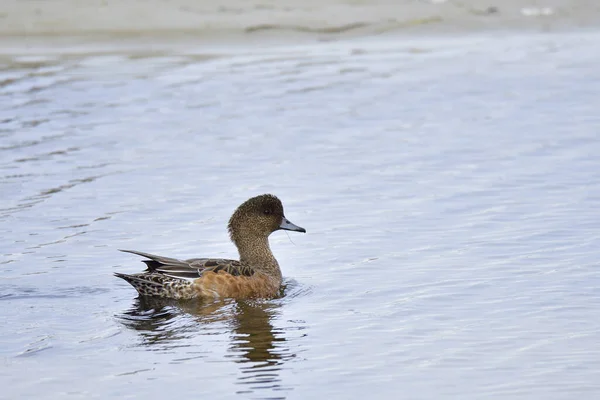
column 255, row 275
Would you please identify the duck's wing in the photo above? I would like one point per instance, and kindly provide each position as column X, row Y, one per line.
column 191, row 269
column 231, row 267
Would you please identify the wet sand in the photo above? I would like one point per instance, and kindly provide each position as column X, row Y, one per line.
column 286, row 19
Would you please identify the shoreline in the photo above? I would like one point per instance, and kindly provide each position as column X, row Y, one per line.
column 144, row 46
column 332, row 17
column 164, row 26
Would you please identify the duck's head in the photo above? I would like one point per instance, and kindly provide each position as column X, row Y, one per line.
column 259, row 217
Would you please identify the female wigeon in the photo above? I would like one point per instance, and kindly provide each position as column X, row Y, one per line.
column 255, row 275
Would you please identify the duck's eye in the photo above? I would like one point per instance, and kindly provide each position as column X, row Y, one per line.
column 267, row 212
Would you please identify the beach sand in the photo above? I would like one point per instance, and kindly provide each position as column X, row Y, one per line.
column 282, row 19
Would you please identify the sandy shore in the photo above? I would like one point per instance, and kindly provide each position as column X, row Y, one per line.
column 312, row 18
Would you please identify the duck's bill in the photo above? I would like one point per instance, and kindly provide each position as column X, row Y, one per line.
column 288, row 226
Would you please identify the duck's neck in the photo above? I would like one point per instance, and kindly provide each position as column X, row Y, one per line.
column 257, row 254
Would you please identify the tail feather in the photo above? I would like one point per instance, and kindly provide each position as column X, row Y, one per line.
column 149, row 284
column 155, row 261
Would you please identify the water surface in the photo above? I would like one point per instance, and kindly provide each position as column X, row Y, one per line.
column 449, row 187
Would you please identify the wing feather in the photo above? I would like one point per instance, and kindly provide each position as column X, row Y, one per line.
column 192, row 269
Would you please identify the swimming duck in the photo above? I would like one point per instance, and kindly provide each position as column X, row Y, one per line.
column 255, row 275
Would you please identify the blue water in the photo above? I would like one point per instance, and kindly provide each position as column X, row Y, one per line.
column 450, row 189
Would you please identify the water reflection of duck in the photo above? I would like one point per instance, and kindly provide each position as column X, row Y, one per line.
column 255, row 275
column 255, row 344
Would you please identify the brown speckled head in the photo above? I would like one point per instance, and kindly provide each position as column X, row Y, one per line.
column 258, row 217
